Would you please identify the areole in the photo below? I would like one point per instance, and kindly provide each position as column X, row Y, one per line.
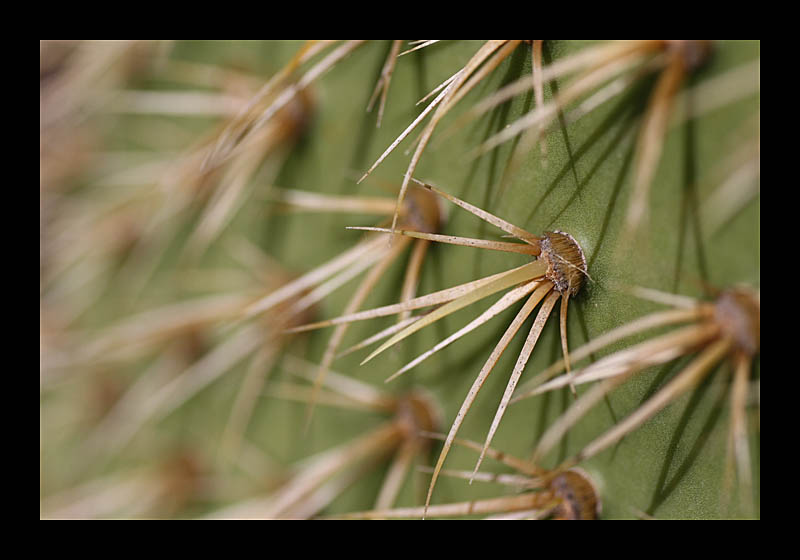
column 566, row 264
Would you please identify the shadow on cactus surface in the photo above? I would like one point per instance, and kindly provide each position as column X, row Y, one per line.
column 104, row 158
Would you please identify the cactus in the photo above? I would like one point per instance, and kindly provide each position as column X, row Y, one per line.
column 701, row 232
